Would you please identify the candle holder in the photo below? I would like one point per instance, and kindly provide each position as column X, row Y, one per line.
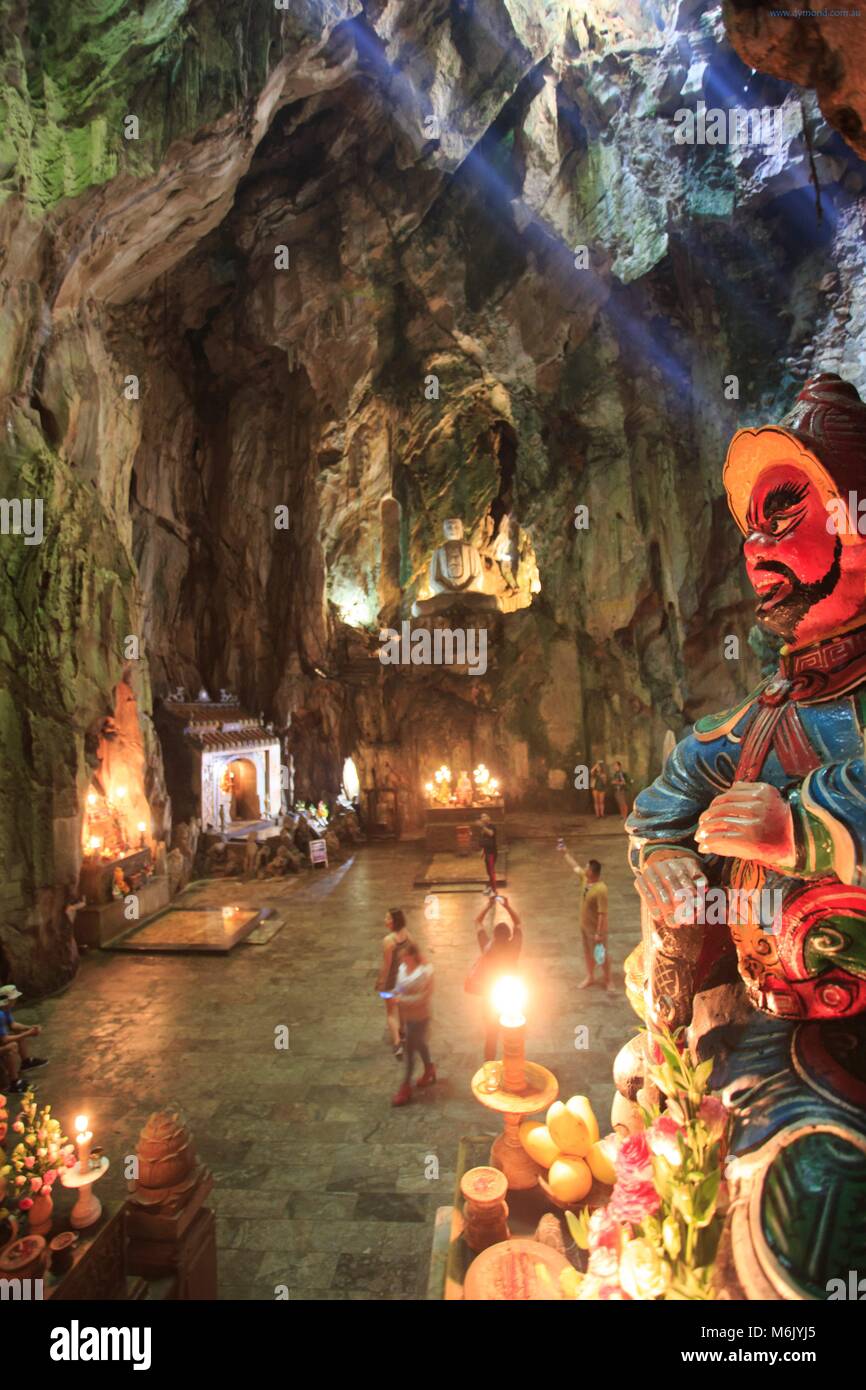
column 88, row 1208
column 540, row 1089
column 485, row 1211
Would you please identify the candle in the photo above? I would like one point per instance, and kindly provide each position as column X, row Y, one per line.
column 509, row 1000
column 142, row 827
column 94, row 844
column 83, row 1140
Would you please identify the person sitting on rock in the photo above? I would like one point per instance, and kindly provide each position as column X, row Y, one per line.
column 14, row 1050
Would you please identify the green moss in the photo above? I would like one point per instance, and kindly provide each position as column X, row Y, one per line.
column 73, row 72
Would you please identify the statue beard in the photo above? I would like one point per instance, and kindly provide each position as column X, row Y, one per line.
column 785, row 617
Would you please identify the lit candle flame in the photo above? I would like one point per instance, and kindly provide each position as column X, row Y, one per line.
column 80, row 1124
column 509, row 1001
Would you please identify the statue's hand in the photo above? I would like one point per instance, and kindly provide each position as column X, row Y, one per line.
column 751, row 820
column 667, row 885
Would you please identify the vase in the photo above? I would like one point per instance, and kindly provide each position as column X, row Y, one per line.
column 40, row 1215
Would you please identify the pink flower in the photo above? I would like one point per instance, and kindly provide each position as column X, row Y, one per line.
column 18, row 1127
column 29, row 1161
column 20, row 1180
column 603, row 1230
column 26, row 1203
column 632, row 1202
column 663, row 1140
column 714, row 1116
column 633, row 1161
column 35, row 1183
column 50, row 1177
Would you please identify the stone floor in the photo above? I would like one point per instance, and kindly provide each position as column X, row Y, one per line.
column 319, row 1184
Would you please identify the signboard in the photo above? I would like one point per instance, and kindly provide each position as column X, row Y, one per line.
column 319, row 852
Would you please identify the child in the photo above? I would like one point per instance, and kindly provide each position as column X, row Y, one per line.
column 13, row 1044
column 393, row 946
column 414, row 991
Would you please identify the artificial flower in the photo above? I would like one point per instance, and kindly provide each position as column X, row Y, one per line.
column 29, row 1161
column 632, row 1202
column 603, row 1263
column 634, row 1161
column 603, row 1230
column 25, row 1204
column 642, row 1271
column 664, row 1140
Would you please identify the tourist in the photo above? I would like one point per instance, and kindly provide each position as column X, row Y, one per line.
column 489, row 852
column 414, row 993
column 593, row 925
column 598, row 784
column 619, row 781
column 499, row 956
column 14, row 1050
column 394, row 945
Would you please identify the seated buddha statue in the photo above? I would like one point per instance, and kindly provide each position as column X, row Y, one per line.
column 765, row 804
column 456, row 576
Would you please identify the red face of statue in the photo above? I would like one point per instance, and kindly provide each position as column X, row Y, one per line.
column 808, row 583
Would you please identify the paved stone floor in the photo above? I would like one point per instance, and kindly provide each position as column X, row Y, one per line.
column 319, row 1184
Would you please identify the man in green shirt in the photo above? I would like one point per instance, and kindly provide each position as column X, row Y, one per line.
column 593, row 919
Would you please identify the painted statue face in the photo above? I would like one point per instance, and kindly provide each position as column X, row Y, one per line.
column 453, row 529
column 808, row 584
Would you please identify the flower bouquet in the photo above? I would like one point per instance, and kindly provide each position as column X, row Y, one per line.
column 36, row 1158
column 657, row 1236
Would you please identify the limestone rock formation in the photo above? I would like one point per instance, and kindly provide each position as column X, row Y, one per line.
column 350, row 270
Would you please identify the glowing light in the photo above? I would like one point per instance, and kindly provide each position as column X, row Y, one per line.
column 351, row 780
column 80, row 1124
column 509, row 1001
column 354, row 607
column 91, row 798
column 94, row 844
column 120, row 793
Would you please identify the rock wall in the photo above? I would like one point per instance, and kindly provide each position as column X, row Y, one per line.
column 378, row 265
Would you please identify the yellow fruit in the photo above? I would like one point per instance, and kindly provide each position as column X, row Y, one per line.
column 569, row 1179
column 569, row 1131
column 580, row 1106
column 538, row 1142
column 601, row 1159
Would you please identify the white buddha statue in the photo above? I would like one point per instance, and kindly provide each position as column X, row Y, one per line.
column 456, row 575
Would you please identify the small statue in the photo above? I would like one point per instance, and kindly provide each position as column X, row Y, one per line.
column 465, row 792
column 456, row 576
column 764, row 806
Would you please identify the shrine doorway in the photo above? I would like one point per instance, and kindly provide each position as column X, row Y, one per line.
column 241, row 783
